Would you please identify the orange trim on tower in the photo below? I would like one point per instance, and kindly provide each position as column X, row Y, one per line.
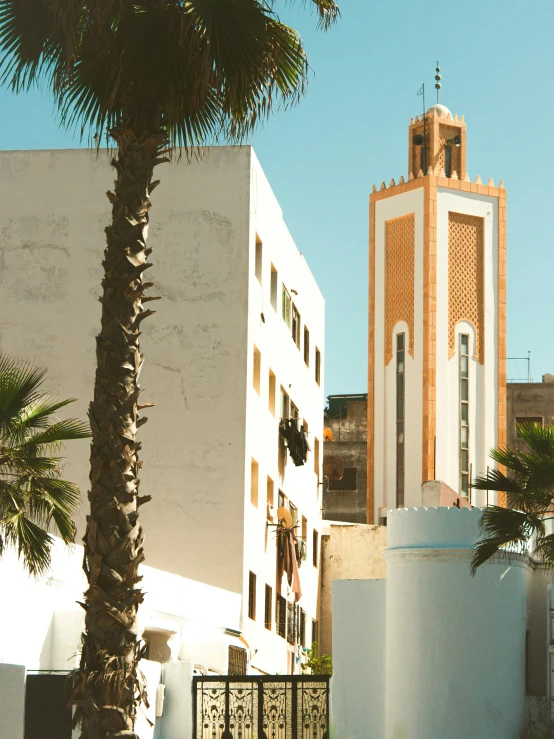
column 370, row 500
column 502, row 408
column 429, row 326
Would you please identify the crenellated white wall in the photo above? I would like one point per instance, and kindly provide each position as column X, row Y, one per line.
column 385, row 376
column 454, row 663
column 483, row 379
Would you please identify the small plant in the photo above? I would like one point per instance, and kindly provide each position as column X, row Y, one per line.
column 317, row 664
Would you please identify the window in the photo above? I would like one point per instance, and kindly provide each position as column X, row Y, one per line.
column 399, row 420
column 285, row 404
column 254, row 472
column 268, row 606
column 526, row 419
column 259, row 259
column 291, row 626
column 315, row 544
column 304, row 544
column 252, row 596
column 464, row 415
column 282, row 499
column 270, row 493
column 448, row 160
column 271, row 393
column 294, row 411
column 316, row 456
column 257, row 371
column 237, row 661
column 347, row 482
column 286, row 306
column 315, row 635
column 294, row 513
column 317, row 366
column 273, row 287
column 281, row 615
column 302, row 627
column 295, row 327
column 306, row 346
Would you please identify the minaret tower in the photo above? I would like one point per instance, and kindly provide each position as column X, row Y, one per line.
column 437, row 321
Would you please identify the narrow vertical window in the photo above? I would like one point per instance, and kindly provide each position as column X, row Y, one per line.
column 317, row 366
column 400, row 405
column 315, row 550
column 280, row 615
column 252, row 596
column 254, row 473
column 273, row 287
column 271, row 393
column 304, row 540
column 464, row 414
column 315, row 635
column 285, row 404
column 306, row 347
column 295, row 326
column 302, row 628
column 316, row 456
column 294, row 412
column 270, row 494
column 448, row 160
column 268, row 607
column 257, row 370
column 293, row 510
column 259, row 258
column 286, row 306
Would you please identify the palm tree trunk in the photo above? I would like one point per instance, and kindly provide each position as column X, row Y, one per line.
column 107, row 685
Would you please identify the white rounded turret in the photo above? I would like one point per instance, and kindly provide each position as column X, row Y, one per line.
column 441, row 110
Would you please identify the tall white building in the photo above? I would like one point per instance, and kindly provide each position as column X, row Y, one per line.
column 237, row 344
column 437, row 321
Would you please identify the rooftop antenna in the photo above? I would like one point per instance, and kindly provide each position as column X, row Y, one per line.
column 421, row 91
column 438, row 81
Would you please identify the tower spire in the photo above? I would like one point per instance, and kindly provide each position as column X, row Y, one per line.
column 438, row 80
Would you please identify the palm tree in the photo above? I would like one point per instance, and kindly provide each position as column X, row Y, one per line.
column 34, row 499
column 154, row 74
column 529, row 489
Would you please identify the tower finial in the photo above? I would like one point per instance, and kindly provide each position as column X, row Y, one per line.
column 437, row 80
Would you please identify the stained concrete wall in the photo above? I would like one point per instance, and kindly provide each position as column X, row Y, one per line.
column 528, row 400
column 357, row 685
column 350, row 446
column 12, row 701
column 348, row 553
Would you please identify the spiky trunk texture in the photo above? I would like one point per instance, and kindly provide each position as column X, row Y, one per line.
column 107, row 686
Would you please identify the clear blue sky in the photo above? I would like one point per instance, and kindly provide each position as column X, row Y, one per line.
column 350, row 131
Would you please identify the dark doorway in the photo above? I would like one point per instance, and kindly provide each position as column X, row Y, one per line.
column 46, row 712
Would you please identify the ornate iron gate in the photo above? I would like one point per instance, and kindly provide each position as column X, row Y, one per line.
column 261, row 707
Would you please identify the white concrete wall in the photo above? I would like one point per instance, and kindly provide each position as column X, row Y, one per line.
column 48, row 638
column 12, row 701
column 348, row 552
column 279, row 353
column 176, row 720
column 385, row 376
column 483, row 379
column 357, row 685
column 208, row 422
column 455, row 655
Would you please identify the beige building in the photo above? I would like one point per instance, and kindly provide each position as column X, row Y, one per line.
column 236, row 345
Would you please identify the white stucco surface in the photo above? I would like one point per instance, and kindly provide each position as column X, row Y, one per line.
column 454, row 645
column 385, row 376
column 357, row 685
column 209, row 422
column 12, row 701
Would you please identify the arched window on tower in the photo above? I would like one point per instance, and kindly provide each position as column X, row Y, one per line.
column 400, row 426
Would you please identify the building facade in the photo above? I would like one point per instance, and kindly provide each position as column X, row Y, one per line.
column 237, row 344
column 437, row 321
column 345, row 499
column 529, row 402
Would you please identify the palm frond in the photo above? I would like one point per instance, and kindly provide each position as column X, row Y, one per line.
column 501, row 527
column 32, row 542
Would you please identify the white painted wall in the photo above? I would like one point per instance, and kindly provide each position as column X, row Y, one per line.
column 12, row 701
column 357, row 685
column 455, row 655
column 385, row 377
column 279, row 354
column 208, row 422
column 483, row 378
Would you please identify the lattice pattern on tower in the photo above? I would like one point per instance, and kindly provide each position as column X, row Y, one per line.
column 466, row 278
column 399, row 279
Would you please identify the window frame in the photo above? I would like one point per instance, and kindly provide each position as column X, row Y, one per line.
column 306, row 346
column 259, row 260
column 400, row 418
column 464, row 414
column 252, row 589
column 315, row 548
column 295, row 325
column 317, row 366
column 268, row 609
column 286, row 306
